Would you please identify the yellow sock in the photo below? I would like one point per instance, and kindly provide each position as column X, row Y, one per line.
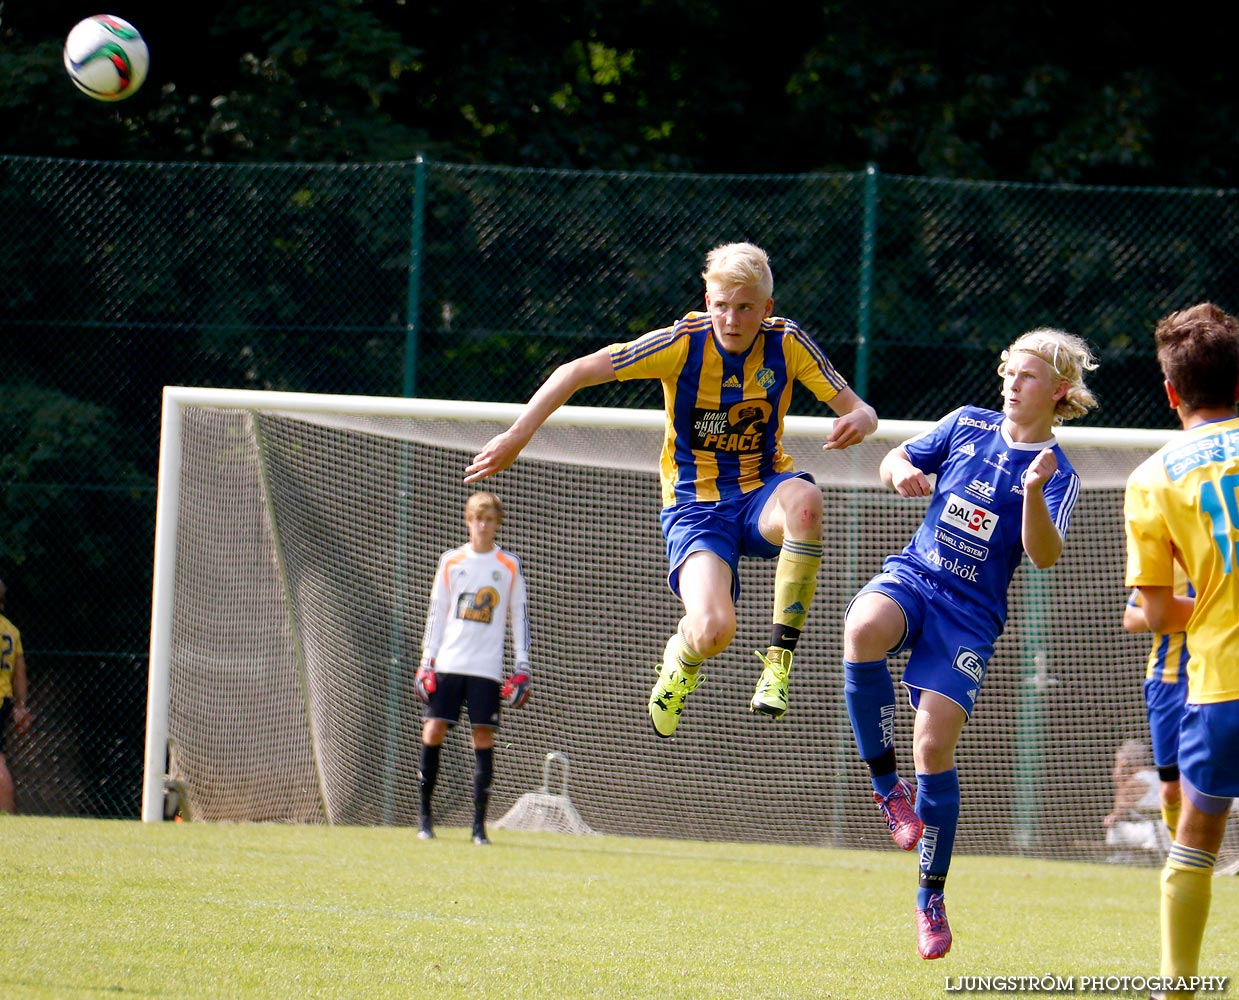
column 795, row 580
column 680, row 654
column 1187, row 888
column 1170, row 816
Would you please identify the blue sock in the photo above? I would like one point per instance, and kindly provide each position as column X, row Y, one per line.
column 869, row 694
column 937, row 803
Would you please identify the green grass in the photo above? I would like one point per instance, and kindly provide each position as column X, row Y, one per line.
column 94, row 908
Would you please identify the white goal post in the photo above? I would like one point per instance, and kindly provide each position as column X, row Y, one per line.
column 295, row 537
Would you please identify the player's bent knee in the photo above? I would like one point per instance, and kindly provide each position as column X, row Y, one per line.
column 802, row 503
column 710, row 636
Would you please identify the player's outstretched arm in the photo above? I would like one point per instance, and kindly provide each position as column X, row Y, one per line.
column 856, row 420
column 500, row 451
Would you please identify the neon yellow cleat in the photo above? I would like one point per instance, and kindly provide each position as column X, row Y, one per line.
column 668, row 696
column 770, row 698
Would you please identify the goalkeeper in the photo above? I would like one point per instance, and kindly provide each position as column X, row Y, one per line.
column 728, row 488
column 478, row 592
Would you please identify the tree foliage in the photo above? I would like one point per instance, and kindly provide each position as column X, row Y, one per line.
column 1043, row 93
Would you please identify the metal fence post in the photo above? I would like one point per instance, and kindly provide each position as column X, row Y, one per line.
column 864, row 296
column 413, row 300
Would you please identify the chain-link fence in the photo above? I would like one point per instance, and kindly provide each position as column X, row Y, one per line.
column 468, row 282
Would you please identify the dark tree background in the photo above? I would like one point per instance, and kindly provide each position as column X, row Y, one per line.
column 1049, row 92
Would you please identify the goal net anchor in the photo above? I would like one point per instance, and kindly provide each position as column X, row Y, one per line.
column 545, row 811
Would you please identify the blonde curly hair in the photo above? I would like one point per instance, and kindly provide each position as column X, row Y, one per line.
column 1069, row 356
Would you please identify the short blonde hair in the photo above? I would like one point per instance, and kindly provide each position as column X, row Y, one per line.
column 1069, row 356
column 481, row 503
column 737, row 265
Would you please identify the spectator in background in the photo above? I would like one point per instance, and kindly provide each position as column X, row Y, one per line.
column 12, row 699
column 1136, row 798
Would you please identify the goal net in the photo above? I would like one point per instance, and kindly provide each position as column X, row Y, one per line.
column 296, row 539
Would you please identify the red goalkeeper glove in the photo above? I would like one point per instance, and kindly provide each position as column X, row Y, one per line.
column 426, row 681
column 516, row 688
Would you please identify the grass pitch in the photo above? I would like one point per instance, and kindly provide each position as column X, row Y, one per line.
column 120, row 909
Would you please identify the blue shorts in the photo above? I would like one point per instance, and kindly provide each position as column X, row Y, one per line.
column 1165, row 710
column 1209, row 753
column 453, row 691
column 951, row 645
column 728, row 528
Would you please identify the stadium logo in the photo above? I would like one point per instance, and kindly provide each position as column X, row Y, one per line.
column 886, row 723
column 965, row 516
column 978, row 424
column 479, row 607
column 970, row 663
column 740, row 429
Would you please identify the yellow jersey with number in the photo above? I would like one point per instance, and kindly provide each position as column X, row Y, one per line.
column 10, row 650
column 1182, row 505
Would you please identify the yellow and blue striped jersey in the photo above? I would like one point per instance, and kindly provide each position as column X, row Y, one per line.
column 1168, row 653
column 724, row 412
column 1182, row 505
column 10, row 650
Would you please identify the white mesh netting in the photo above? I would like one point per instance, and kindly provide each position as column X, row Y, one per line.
column 305, row 547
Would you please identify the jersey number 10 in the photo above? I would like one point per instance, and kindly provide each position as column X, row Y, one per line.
column 1220, row 501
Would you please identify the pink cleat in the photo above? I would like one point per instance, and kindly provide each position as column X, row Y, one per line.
column 933, row 933
column 897, row 809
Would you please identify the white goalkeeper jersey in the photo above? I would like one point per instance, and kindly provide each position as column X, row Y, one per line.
column 474, row 598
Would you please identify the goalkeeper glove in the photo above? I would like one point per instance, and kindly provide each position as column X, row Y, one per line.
column 516, row 688
column 426, row 681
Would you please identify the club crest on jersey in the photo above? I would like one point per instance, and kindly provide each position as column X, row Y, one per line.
column 764, row 378
column 479, row 606
column 1000, row 462
column 970, row 662
column 741, row 428
column 964, row 515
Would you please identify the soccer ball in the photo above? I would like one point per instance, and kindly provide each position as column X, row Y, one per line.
column 106, row 57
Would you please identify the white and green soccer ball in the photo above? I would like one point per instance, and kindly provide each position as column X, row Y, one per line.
column 106, row 57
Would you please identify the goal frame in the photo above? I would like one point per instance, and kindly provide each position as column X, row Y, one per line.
column 177, row 398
